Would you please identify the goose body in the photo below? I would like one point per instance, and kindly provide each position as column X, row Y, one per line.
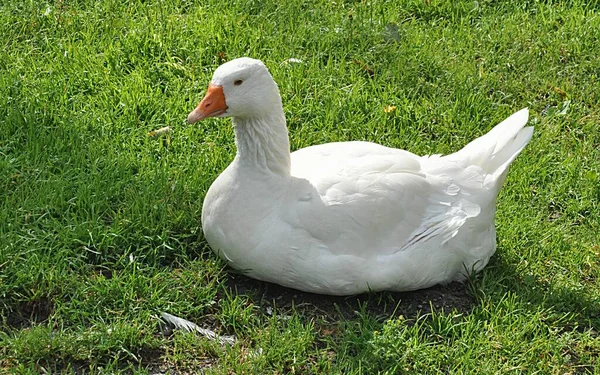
column 349, row 217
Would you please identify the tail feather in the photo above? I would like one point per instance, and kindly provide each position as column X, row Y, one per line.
column 495, row 150
column 505, row 156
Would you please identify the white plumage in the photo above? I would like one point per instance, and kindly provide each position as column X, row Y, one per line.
column 350, row 217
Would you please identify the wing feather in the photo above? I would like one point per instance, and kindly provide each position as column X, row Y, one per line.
column 369, row 199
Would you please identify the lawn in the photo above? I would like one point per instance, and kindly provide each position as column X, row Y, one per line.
column 100, row 226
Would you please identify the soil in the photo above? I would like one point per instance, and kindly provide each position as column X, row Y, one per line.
column 28, row 313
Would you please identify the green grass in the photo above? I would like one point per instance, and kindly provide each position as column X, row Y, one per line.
column 100, row 224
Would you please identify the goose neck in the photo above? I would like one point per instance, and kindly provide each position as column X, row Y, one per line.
column 263, row 144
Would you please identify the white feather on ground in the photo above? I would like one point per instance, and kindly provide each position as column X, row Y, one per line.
column 186, row 325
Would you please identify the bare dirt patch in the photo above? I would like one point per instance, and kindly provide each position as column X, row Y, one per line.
column 30, row 312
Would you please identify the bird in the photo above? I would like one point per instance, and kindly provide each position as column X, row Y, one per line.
column 346, row 218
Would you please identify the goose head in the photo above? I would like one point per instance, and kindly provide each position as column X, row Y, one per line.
column 240, row 88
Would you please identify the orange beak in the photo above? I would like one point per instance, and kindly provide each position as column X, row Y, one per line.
column 212, row 105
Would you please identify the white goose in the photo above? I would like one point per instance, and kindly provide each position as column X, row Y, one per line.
column 349, row 217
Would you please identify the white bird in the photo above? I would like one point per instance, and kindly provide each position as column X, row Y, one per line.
column 349, row 217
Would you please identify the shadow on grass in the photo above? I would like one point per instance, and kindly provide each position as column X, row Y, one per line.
column 493, row 284
column 381, row 305
column 502, row 277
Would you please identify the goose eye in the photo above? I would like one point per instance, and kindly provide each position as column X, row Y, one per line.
column 237, row 82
